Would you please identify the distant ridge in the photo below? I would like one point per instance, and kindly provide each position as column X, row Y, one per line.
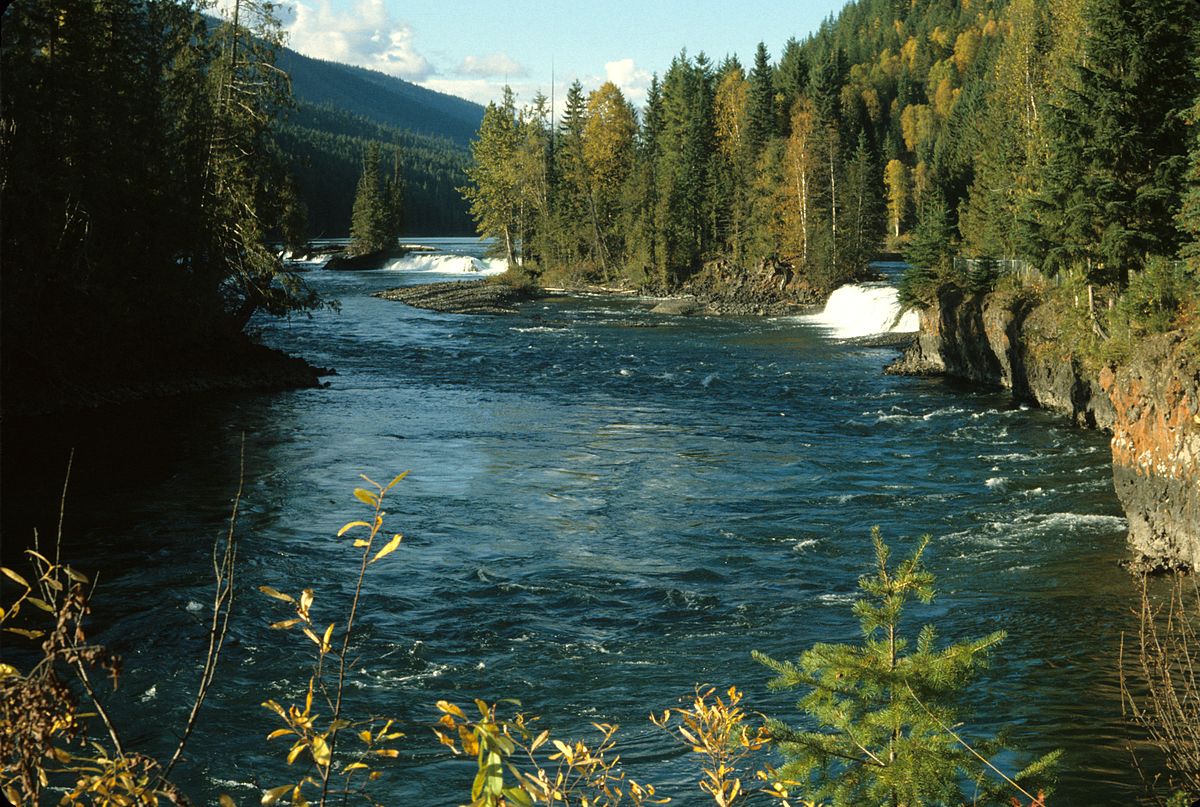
column 381, row 98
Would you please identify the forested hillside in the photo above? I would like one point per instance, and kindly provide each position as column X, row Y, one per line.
column 381, row 98
column 1052, row 131
column 326, row 145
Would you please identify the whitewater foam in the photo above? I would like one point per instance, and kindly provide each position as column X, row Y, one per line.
column 864, row 309
column 448, row 265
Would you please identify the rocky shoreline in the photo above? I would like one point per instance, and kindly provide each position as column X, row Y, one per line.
column 720, row 289
column 1150, row 405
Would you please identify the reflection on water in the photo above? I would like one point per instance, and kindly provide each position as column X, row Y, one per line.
column 606, row 507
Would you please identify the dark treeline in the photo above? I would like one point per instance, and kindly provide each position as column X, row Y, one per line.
column 1049, row 130
column 327, row 147
column 140, row 179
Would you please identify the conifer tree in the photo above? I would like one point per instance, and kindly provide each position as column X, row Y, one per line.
column 370, row 225
column 883, row 709
column 762, row 100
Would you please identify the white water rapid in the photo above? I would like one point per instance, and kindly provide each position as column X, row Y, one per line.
column 864, row 309
column 442, row 264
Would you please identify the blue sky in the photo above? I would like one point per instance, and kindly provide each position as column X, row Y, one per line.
column 470, row 48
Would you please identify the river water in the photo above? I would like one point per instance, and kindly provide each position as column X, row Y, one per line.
column 606, row 507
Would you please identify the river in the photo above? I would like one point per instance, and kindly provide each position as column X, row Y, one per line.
column 605, row 508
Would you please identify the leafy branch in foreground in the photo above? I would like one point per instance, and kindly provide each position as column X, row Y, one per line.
column 885, row 709
column 311, row 737
column 582, row 774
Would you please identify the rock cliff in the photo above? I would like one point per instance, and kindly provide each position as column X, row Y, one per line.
column 1150, row 404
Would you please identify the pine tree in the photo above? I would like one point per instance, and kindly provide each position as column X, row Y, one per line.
column 762, row 100
column 1117, row 155
column 1189, row 212
column 370, row 225
column 883, row 710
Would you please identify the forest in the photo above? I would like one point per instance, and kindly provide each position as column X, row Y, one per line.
column 1053, row 132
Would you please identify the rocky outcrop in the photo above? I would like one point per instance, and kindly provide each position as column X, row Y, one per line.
column 1006, row 340
column 1150, row 404
column 346, row 262
column 1156, row 450
column 464, row 297
column 769, row 288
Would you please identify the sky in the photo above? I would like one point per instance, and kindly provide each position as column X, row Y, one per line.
column 471, row 48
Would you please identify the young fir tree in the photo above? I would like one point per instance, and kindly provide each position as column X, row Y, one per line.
column 762, row 101
column 883, row 709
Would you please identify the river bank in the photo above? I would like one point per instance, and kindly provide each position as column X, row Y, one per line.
column 237, row 364
column 1150, row 404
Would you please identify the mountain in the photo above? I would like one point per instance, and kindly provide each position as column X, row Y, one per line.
column 341, row 109
column 381, row 98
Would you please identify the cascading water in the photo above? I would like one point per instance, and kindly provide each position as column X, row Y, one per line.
column 865, row 309
column 441, row 264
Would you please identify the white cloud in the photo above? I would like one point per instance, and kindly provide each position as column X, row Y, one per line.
column 633, row 81
column 494, row 64
column 365, row 35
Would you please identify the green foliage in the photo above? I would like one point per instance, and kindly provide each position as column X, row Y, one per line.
column 326, row 147
column 930, row 256
column 1164, row 296
column 883, row 710
column 378, row 212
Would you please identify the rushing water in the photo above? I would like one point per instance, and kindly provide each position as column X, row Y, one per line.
column 606, row 507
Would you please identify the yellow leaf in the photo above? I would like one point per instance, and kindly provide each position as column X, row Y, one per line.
column 225, row 801
column 16, row 577
column 320, row 751
column 451, row 709
column 28, row 634
column 40, row 603
column 285, row 624
column 389, row 549
column 395, row 481
column 7, row 670
column 316, row 639
column 277, row 594
column 388, row 752
column 78, row 577
column 365, row 736
column 355, row 766
column 306, row 599
column 326, row 637
column 279, row 733
column 271, row 796
column 360, row 543
column 366, row 497
column 346, row 528
column 295, row 752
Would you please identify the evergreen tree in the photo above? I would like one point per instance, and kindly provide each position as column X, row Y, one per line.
column 929, row 255
column 370, row 224
column 762, row 100
column 1117, row 155
column 883, row 710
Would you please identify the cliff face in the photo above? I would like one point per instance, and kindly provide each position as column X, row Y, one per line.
column 1151, row 405
column 1156, row 451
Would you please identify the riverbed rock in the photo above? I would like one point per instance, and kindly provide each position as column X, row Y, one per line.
column 677, row 306
column 1150, row 404
column 464, row 297
column 346, row 262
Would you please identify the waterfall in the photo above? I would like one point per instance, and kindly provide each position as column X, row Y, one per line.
column 864, row 309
